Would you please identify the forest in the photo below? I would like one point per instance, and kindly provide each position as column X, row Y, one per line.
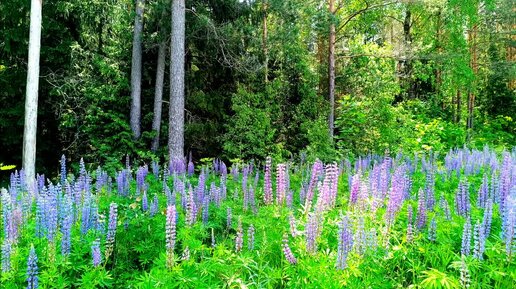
column 258, row 143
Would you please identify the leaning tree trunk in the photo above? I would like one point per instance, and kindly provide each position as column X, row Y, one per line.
column 158, row 95
column 177, row 82
column 331, row 71
column 136, row 70
column 31, row 95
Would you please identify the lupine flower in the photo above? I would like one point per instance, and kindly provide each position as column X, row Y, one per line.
column 154, row 206
column 6, row 255
column 466, row 238
column 465, row 280
column 509, row 222
column 483, row 193
column 145, row 202
column 292, row 225
column 478, row 242
column 250, row 238
column 186, row 254
column 462, row 199
column 354, row 189
column 205, row 210
column 281, row 183
column 432, row 231
column 228, row 218
column 360, row 238
column 345, row 239
column 213, row 243
column 155, row 169
column 311, row 229
column 317, row 169
column 96, row 256
column 421, row 210
column 239, row 240
column 111, row 232
column 191, row 168
column 488, row 218
column 63, row 169
column 171, row 233
column 287, row 252
column 410, row 234
column 66, row 234
column 32, row 269
column 191, row 209
column 267, row 194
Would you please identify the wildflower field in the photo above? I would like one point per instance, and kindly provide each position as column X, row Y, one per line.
column 403, row 221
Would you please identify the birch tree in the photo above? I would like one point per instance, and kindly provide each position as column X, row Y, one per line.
column 136, row 70
column 31, row 95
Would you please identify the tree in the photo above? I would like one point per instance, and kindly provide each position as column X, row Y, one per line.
column 331, row 69
column 31, row 96
column 177, row 82
column 136, row 70
column 158, row 92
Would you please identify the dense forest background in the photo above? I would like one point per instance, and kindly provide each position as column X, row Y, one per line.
column 409, row 75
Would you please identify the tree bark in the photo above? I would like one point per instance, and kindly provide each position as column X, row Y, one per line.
column 31, row 94
column 331, row 70
column 407, row 62
column 136, row 70
column 158, row 94
column 471, row 93
column 458, row 107
column 177, row 82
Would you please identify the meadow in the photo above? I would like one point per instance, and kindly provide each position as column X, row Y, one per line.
column 402, row 221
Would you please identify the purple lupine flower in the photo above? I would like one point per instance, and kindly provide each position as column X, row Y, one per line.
column 111, row 231
column 359, row 237
column 311, row 229
column 463, row 205
column 205, row 210
column 154, row 206
column 505, row 178
column 191, row 209
column 155, row 169
column 213, row 243
column 145, row 201
column 250, row 238
column 32, row 269
column 281, row 183
column 430, row 188
column 171, row 200
column 96, row 256
column 466, row 238
column 292, row 225
column 6, row 255
column 171, row 233
column 186, row 254
column 354, row 189
column 483, row 193
column 191, row 168
column 478, row 242
column 432, row 231
column 410, row 226
column 421, row 210
column 317, row 169
column 509, row 221
column 487, row 219
column 345, row 243
column 228, row 218
column 63, row 169
column 239, row 240
column 287, row 252
column 267, row 193
column 66, row 229
column 465, row 280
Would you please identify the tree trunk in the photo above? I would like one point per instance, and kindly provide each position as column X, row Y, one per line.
column 458, row 107
column 136, row 70
column 31, row 95
column 407, row 62
column 177, row 82
column 158, row 94
column 471, row 90
column 331, row 70
column 264, row 43
column 438, row 73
